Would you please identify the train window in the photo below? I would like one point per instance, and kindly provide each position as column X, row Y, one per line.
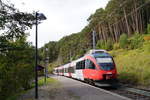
column 80, row 65
column 83, row 64
column 106, row 63
column 90, row 64
column 77, row 65
column 101, row 55
column 107, row 66
column 66, row 70
column 71, row 70
column 63, row 70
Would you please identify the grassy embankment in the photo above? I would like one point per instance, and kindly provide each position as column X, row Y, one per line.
column 41, row 82
column 133, row 65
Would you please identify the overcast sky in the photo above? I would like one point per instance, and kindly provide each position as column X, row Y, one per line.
column 64, row 17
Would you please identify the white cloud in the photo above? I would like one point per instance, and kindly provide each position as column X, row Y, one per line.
column 63, row 16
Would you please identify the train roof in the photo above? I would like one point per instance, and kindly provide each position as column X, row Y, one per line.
column 96, row 51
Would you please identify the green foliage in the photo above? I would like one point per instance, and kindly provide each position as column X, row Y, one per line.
column 146, row 46
column 148, row 29
column 116, row 46
column 68, row 48
column 104, row 45
column 100, row 44
column 133, row 65
column 123, row 42
column 41, row 82
column 109, row 44
column 16, row 69
column 52, row 52
column 16, row 55
column 136, row 41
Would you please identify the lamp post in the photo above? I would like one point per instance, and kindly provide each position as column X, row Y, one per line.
column 38, row 17
column 46, row 63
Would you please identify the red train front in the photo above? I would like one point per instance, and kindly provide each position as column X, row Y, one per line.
column 99, row 68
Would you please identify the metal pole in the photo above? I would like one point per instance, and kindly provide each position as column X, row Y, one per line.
column 93, row 39
column 36, row 59
column 46, row 61
column 45, row 72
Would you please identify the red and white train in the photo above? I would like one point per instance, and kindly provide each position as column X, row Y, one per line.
column 96, row 67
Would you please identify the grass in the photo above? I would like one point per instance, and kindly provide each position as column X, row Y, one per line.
column 42, row 82
column 48, row 81
column 133, row 65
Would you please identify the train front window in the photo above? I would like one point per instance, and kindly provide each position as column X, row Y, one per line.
column 105, row 62
column 106, row 66
column 101, row 55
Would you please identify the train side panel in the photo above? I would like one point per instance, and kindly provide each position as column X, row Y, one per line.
column 79, row 74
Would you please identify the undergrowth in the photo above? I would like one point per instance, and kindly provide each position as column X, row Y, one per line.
column 133, row 65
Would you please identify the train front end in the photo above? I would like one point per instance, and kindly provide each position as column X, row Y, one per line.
column 100, row 68
column 106, row 68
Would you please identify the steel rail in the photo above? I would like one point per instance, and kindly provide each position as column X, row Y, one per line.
column 138, row 91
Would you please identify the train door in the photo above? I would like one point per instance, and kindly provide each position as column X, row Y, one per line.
column 73, row 69
column 80, row 66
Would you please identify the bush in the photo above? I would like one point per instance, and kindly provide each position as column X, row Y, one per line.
column 104, row 45
column 100, row 44
column 109, row 45
column 116, row 46
column 123, row 41
column 16, row 69
column 148, row 28
column 136, row 41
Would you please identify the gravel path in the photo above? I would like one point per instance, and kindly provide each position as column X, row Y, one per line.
column 69, row 89
column 85, row 91
column 50, row 92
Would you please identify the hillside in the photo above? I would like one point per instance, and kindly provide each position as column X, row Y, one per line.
column 133, row 65
column 121, row 28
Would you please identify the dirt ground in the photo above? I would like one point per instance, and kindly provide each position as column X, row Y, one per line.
column 50, row 92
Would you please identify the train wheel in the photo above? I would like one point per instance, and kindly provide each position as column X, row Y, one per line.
column 86, row 80
column 91, row 82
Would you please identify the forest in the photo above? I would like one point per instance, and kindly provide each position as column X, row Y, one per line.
column 127, row 18
column 122, row 28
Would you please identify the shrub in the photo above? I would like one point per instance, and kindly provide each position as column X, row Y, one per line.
column 104, row 45
column 100, row 44
column 123, row 41
column 109, row 45
column 136, row 41
column 116, row 46
column 148, row 28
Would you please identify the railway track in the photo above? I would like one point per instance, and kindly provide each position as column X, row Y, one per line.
column 133, row 93
column 121, row 89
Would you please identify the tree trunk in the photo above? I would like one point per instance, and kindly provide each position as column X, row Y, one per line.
column 127, row 24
